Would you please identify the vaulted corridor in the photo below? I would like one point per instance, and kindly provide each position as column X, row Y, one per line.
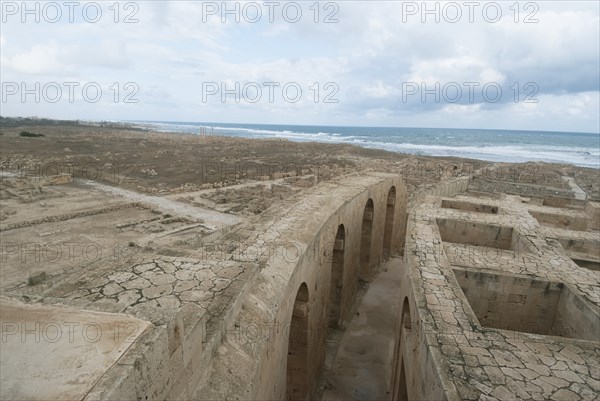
column 361, row 370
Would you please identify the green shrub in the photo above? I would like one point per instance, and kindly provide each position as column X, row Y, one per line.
column 30, row 134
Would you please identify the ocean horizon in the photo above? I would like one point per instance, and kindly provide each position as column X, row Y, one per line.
column 578, row 148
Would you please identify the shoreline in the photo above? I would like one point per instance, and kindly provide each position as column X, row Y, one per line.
column 429, row 142
column 215, row 124
column 515, row 153
column 147, row 160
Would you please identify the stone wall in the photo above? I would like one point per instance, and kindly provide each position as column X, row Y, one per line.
column 569, row 221
column 465, row 232
column 162, row 360
column 69, row 216
column 592, row 211
column 480, row 184
column 510, row 302
column 469, row 206
column 415, row 349
column 243, row 352
column 257, row 363
column 574, row 318
column 457, row 348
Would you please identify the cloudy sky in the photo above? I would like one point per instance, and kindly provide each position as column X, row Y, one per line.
column 506, row 65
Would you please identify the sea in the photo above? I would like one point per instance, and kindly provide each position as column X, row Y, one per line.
column 581, row 149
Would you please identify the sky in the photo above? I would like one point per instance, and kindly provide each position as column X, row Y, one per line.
column 519, row 65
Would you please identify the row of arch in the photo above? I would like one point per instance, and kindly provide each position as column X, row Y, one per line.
column 298, row 386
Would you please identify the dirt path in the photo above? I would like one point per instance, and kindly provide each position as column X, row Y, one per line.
column 212, row 219
column 577, row 191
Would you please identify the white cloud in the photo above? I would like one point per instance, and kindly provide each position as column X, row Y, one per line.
column 40, row 59
column 369, row 54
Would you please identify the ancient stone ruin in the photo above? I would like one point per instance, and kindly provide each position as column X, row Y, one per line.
column 363, row 287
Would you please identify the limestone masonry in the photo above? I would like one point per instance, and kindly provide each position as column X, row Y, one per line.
column 479, row 290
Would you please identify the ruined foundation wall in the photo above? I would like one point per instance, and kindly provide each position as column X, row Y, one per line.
column 162, row 360
column 315, row 270
column 415, row 349
column 592, row 211
column 69, row 216
column 257, row 361
column 575, row 318
column 473, row 317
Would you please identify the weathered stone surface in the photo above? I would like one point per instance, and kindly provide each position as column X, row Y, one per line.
column 195, row 295
column 157, row 291
column 169, row 302
column 491, row 305
column 111, row 289
column 129, row 297
column 137, row 283
column 531, row 354
column 162, row 279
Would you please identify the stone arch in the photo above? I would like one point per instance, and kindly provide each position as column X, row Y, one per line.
column 406, row 319
column 314, row 266
column 399, row 389
column 337, row 278
column 366, row 239
column 297, row 358
column 389, row 222
column 402, row 389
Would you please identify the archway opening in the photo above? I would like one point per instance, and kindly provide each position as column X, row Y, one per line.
column 398, row 374
column 389, row 223
column 337, row 278
column 366, row 239
column 406, row 320
column 297, row 359
column 402, row 390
